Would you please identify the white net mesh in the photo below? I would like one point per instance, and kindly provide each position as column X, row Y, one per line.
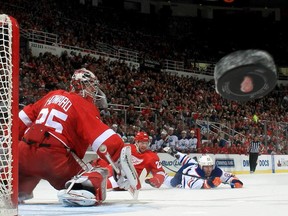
column 6, row 187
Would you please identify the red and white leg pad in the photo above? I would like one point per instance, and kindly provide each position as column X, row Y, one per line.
column 86, row 189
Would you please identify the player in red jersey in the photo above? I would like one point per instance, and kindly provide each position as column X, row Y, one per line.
column 142, row 158
column 55, row 133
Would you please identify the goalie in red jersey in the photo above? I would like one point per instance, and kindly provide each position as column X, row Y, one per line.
column 55, row 133
column 142, row 159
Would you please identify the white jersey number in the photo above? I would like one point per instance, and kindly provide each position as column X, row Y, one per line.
column 47, row 116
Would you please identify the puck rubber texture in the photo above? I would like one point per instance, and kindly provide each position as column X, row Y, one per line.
column 245, row 75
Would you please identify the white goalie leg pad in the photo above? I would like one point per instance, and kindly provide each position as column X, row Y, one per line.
column 76, row 197
column 128, row 170
column 85, row 189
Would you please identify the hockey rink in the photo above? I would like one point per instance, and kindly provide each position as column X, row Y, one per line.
column 263, row 194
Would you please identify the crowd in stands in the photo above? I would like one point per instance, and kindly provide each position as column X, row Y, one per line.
column 156, row 100
column 149, row 100
column 154, row 36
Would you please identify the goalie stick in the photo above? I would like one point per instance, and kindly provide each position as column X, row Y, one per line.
column 128, row 168
column 174, row 171
column 86, row 167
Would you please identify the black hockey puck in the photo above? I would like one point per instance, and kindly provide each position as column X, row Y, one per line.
column 245, row 75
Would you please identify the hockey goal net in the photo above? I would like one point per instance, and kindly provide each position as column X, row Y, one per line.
column 9, row 70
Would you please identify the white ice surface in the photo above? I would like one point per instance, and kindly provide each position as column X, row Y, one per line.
column 262, row 195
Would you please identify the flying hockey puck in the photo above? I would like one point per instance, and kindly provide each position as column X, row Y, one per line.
column 245, row 75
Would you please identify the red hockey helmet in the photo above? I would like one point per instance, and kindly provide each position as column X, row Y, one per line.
column 142, row 137
column 141, row 141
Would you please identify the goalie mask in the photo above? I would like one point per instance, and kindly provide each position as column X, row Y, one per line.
column 142, row 141
column 85, row 83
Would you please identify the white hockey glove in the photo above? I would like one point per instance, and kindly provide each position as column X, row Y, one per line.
column 123, row 182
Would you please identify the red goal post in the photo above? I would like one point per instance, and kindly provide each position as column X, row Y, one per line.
column 9, row 103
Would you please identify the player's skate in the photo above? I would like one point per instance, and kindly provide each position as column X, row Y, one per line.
column 171, row 151
column 85, row 189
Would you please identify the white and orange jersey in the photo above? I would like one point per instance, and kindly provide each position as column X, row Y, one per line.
column 69, row 118
column 192, row 176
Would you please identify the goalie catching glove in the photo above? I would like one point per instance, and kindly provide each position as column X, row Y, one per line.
column 123, row 182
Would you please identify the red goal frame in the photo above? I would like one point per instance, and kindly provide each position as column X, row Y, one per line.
column 10, row 39
column 15, row 106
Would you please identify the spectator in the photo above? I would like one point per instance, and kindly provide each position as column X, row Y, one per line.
column 193, row 142
column 183, row 143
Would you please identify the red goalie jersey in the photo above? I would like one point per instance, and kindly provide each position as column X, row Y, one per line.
column 56, row 131
column 71, row 120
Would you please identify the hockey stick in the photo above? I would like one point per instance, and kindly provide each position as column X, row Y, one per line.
column 85, row 166
column 133, row 189
column 174, row 171
column 103, row 150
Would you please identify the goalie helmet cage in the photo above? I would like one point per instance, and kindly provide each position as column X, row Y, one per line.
column 9, row 103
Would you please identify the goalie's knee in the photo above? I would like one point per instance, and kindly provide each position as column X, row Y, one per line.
column 82, row 188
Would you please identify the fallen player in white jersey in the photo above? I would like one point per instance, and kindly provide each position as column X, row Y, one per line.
column 199, row 175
